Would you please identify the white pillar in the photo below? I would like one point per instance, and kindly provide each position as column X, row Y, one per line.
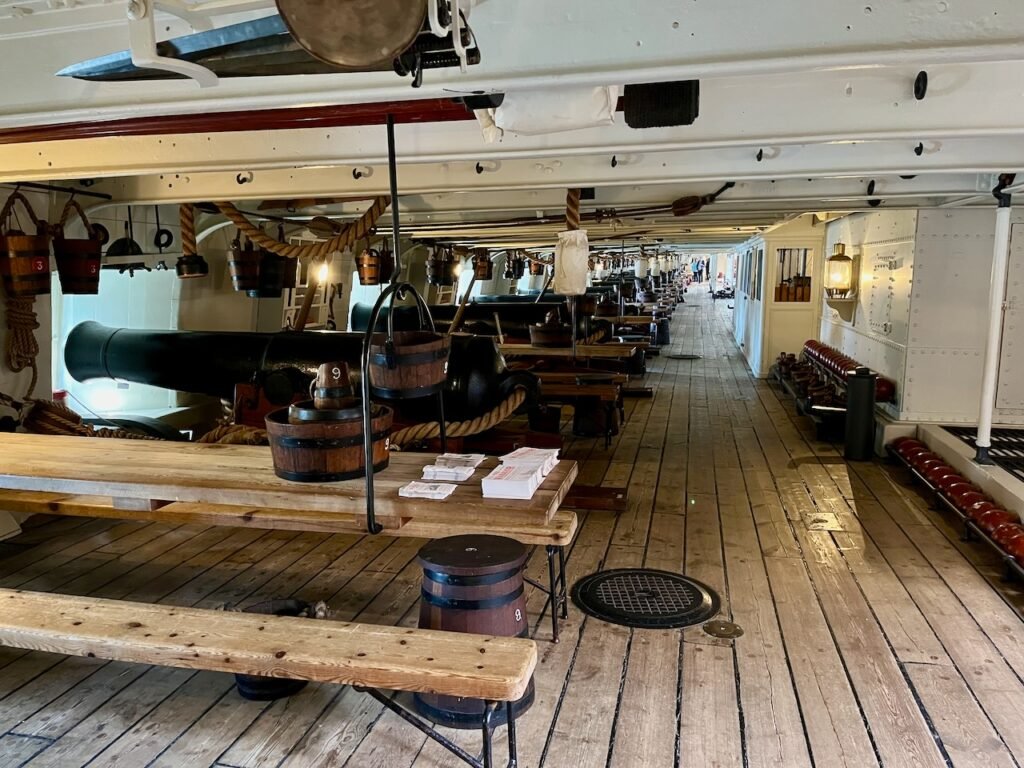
column 993, row 344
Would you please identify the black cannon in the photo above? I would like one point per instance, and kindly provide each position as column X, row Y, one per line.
column 284, row 363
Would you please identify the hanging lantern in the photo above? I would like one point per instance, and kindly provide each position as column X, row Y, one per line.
column 483, row 267
column 839, row 281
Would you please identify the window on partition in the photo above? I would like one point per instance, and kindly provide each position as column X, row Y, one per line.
column 794, row 276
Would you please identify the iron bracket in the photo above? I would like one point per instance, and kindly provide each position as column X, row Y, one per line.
column 142, row 46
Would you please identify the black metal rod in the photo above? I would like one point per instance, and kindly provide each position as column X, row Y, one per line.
column 414, row 721
column 513, row 749
column 488, row 733
column 554, row 592
column 58, row 188
column 396, row 270
column 562, row 596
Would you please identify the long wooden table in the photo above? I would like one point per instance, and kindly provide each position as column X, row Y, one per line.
column 610, row 350
column 243, row 476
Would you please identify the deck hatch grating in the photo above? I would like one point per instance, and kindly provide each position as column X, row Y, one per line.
column 645, row 598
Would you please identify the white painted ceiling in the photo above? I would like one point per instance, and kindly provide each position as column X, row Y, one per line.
column 803, row 104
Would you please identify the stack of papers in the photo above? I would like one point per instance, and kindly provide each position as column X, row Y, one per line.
column 459, row 460
column 544, row 459
column 511, row 481
column 418, row 490
column 442, row 472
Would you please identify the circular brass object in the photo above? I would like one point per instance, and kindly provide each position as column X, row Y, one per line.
column 726, row 629
column 354, row 34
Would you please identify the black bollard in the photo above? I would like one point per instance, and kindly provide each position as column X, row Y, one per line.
column 860, row 415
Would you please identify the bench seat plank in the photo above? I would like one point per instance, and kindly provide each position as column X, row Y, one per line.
column 391, row 658
column 558, row 531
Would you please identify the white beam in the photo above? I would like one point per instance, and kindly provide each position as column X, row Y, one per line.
column 529, row 44
column 858, row 161
column 971, row 100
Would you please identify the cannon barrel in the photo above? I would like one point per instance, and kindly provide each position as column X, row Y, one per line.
column 213, row 362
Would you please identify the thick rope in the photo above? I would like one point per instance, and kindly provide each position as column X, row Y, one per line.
column 22, row 345
column 235, row 434
column 187, row 220
column 419, row 432
column 49, row 418
column 572, row 209
column 358, row 230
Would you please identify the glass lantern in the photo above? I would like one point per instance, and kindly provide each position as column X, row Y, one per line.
column 839, row 282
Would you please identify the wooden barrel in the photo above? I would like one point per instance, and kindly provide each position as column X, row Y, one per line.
column 472, row 584
column 536, row 268
column 327, row 451
column 78, row 265
column 257, row 687
column 409, row 364
column 244, row 266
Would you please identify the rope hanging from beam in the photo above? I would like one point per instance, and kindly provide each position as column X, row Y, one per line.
column 572, row 209
column 22, row 345
column 358, row 230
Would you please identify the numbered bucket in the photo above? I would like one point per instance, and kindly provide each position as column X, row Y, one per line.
column 78, row 260
column 24, row 259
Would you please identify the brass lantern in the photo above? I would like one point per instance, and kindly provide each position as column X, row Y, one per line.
column 839, row 278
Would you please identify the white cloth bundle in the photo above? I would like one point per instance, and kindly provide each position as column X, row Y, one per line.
column 655, row 267
column 571, row 255
column 640, row 268
column 553, row 110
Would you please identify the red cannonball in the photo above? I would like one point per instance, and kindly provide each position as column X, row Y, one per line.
column 918, row 458
column 885, row 390
column 979, row 508
column 929, row 463
column 954, row 485
column 965, row 500
column 911, row 446
column 1007, row 532
column 1016, row 549
column 992, row 519
column 936, row 471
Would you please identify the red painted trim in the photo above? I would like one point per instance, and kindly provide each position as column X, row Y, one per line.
column 340, row 115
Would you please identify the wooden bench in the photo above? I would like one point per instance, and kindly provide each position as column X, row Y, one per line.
column 369, row 657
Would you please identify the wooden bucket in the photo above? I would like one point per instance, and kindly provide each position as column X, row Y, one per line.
column 369, row 267
column 483, row 267
column 441, row 268
column 78, row 260
column 276, row 274
column 327, row 451
column 409, row 364
column 24, row 259
column 332, row 385
column 244, row 266
column 536, row 268
column 472, row 584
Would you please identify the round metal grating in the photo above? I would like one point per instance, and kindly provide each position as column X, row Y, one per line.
column 645, row 598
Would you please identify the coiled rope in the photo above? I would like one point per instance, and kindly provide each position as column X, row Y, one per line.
column 239, row 434
column 358, row 230
column 420, row 432
column 22, row 345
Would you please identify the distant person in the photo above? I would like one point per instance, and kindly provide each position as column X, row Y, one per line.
column 707, row 269
column 696, row 271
